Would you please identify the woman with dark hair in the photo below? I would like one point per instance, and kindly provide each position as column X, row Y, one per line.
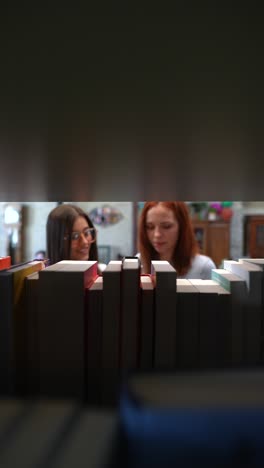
column 70, row 235
column 166, row 233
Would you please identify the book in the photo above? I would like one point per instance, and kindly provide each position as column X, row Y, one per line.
column 32, row 303
column 13, row 327
column 164, row 279
column 214, row 324
column 252, row 275
column 256, row 261
column 5, row 262
column 187, row 336
column 146, row 348
column 129, row 318
column 7, row 357
column 238, row 289
column 111, row 331
column 61, row 328
column 93, row 341
column 260, row 263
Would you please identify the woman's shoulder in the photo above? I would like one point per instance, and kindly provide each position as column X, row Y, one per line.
column 201, row 267
column 203, row 260
column 204, row 265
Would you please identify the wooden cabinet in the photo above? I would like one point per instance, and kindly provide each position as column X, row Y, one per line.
column 254, row 236
column 213, row 238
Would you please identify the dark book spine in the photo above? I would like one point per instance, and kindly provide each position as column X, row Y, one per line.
column 187, row 337
column 32, row 298
column 7, row 369
column 61, row 334
column 165, row 321
column 130, row 289
column 146, row 329
column 93, row 345
column 208, row 307
column 111, row 334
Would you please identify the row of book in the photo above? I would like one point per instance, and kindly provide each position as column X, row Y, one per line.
column 67, row 332
column 14, row 324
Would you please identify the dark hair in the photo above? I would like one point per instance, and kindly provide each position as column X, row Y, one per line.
column 186, row 246
column 59, row 223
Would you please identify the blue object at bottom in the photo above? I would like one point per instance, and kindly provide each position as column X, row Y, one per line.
column 191, row 437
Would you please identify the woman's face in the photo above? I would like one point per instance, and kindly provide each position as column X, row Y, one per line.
column 162, row 230
column 80, row 244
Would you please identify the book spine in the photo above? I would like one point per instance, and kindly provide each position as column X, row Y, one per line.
column 208, row 305
column 111, row 333
column 129, row 320
column 7, row 358
column 146, row 327
column 187, row 338
column 32, row 298
column 165, row 318
column 93, row 344
column 61, row 333
column 222, row 280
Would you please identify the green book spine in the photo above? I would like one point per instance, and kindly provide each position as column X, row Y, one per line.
column 222, row 280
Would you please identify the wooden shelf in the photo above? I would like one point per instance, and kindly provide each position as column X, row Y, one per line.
column 213, row 238
column 254, row 236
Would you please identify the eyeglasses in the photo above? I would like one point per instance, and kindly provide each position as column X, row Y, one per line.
column 88, row 233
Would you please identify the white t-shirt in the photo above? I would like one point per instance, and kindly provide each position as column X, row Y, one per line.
column 201, row 267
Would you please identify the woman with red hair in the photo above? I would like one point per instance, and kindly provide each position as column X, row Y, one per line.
column 166, row 233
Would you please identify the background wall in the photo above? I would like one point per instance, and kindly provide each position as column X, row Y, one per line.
column 34, row 227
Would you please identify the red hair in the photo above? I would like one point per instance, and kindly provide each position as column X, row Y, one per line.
column 186, row 246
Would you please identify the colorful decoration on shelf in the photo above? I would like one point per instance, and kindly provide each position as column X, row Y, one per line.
column 211, row 210
column 198, row 210
column 215, row 207
column 226, row 213
column 220, row 210
column 105, row 216
column 214, row 210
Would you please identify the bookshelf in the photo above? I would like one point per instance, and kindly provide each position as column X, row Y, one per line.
column 213, row 238
column 254, row 236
